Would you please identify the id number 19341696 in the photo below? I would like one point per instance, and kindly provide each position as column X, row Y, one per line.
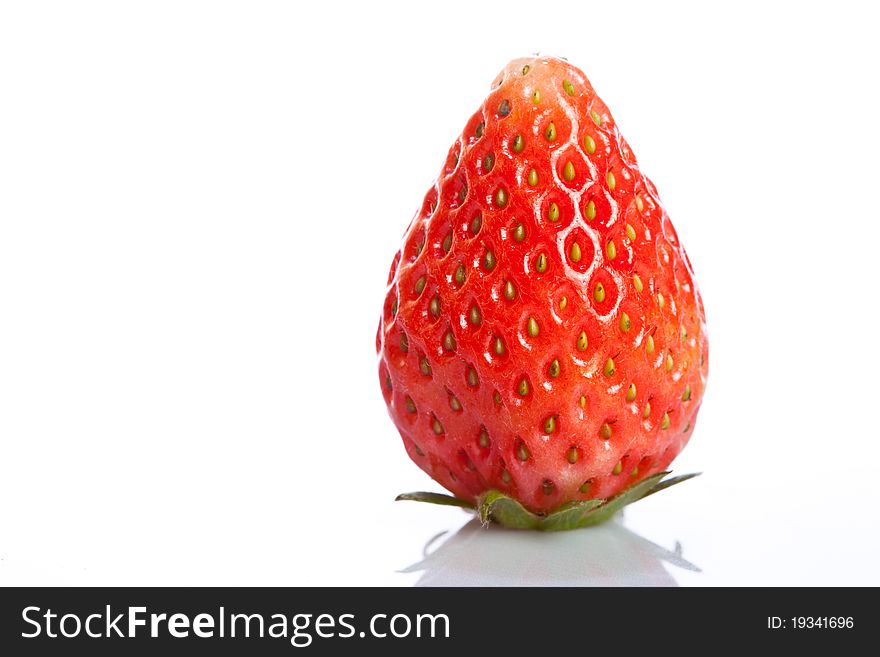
column 810, row 623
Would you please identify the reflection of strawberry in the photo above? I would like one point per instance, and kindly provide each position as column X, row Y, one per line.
column 542, row 333
column 611, row 556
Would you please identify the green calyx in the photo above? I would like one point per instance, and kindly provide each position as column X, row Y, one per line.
column 493, row 506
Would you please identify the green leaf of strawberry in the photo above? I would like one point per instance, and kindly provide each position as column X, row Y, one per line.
column 434, row 498
column 542, row 335
column 495, row 506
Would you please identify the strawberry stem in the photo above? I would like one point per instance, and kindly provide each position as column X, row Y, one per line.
column 495, row 506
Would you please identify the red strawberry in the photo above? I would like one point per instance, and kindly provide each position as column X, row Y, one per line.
column 542, row 332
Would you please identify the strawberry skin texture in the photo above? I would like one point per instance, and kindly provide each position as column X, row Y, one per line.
column 542, row 332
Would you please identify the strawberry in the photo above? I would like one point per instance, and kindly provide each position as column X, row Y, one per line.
column 543, row 341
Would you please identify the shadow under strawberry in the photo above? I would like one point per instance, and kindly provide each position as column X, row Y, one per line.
column 608, row 555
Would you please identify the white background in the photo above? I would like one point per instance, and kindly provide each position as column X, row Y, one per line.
column 199, row 202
